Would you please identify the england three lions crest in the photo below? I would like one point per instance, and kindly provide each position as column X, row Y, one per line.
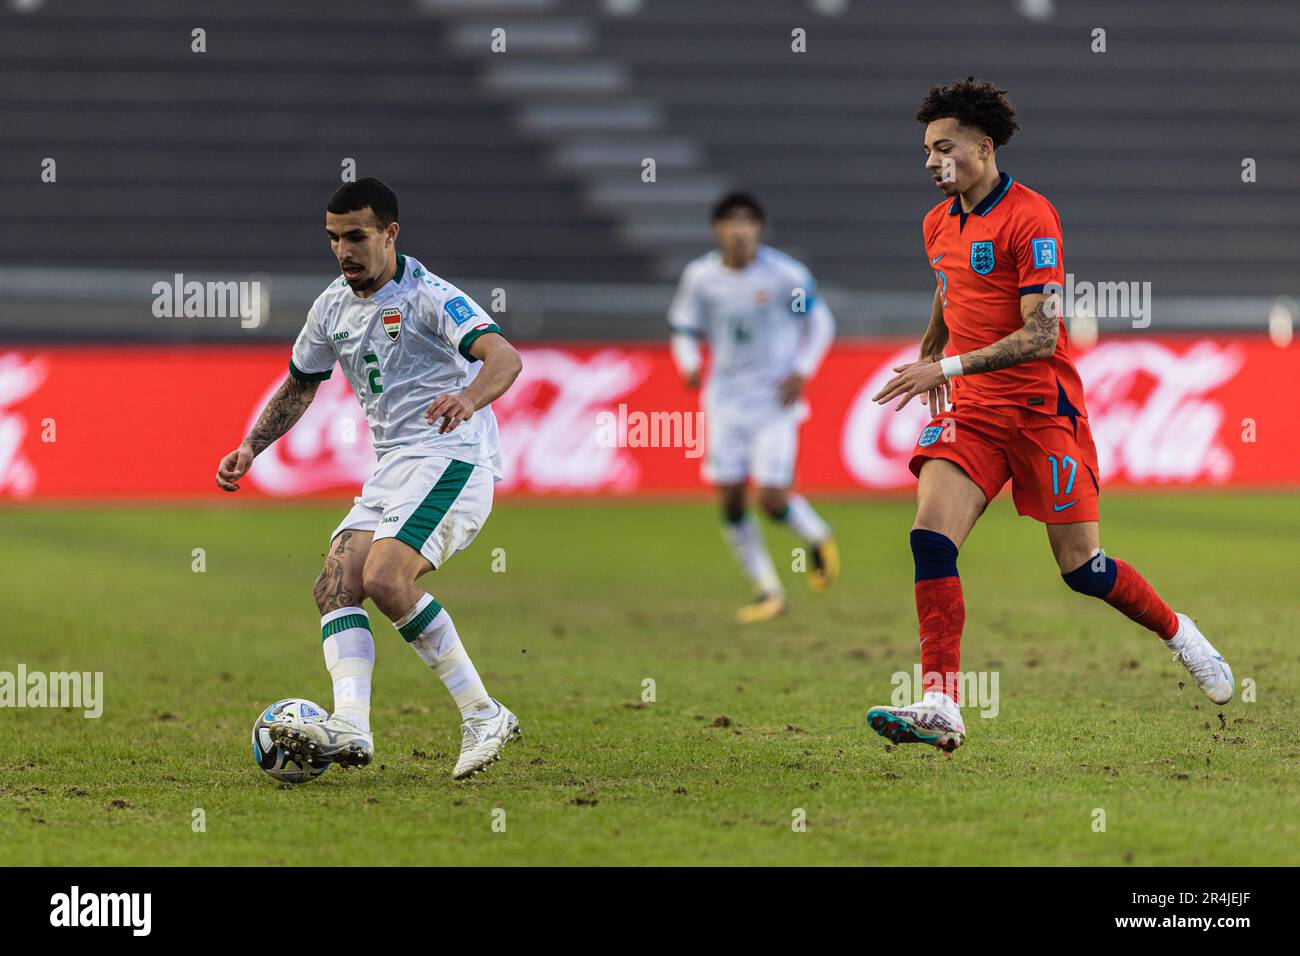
column 981, row 257
column 392, row 322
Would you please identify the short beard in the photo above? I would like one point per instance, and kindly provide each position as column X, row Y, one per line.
column 361, row 285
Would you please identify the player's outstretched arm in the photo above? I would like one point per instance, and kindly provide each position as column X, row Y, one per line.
column 1035, row 340
column 501, row 366
column 285, row 407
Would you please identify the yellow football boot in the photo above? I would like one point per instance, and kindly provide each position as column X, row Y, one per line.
column 825, row 565
column 763, row 608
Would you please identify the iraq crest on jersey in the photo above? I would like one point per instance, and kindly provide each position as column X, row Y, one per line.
column 392, row 322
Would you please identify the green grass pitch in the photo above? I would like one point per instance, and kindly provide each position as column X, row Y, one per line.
column 595, row 599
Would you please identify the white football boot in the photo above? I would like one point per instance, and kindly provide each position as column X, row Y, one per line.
column 325, row 740
column 1206, row 665
column 936, row 720
column 481, row 740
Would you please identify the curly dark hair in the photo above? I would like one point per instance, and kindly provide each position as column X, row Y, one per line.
column 973, row 103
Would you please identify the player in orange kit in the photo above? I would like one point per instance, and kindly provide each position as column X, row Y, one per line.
column 997, row 348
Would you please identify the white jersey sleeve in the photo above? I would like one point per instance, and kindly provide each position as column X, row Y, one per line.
column 686, row 320
column 818, row 333
column 312, row 358
column 459, row 320
column 816, row 323
column 685, row 314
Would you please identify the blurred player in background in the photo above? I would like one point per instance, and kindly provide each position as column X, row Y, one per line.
column 426, row 364
column 767, row 331
column 1017, row 409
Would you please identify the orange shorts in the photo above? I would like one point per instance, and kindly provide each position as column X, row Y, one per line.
column 1050, row 459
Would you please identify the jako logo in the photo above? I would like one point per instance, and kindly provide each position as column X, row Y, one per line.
column 103, row 909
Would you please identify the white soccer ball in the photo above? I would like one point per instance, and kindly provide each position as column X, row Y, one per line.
column 273, row 758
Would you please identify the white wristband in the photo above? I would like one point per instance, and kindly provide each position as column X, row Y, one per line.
column 951, row 366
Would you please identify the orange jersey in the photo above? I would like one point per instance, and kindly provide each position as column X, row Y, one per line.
column 1009, row 245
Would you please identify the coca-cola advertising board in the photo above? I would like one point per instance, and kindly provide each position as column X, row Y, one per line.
column 151, row 423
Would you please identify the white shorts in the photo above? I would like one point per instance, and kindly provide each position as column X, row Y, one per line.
column 436, row 505
column 763, row 449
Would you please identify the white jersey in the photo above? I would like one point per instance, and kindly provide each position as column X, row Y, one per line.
column 762, row 323
column 400, row 349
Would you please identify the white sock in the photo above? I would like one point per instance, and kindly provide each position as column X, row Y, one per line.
column 427, row 627
column 746, row 540
column 1176, row 642
column 350, row 658
column 805, row 522
column 942, row 700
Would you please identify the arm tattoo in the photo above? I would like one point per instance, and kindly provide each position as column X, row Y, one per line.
column 1043, row 326
column 1034, row 341
column 285, row 407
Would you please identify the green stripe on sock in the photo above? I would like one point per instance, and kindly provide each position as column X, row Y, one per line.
column 416, row 625
column 417, row 528
column 344, row 623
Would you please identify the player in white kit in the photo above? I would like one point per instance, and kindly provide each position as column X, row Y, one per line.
column 425, row 363
column 767, row 331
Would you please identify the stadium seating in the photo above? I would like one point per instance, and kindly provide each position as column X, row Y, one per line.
column 528, row 165
column 223, row 159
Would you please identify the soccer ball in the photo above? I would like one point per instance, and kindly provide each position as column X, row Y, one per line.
column 273, row 758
